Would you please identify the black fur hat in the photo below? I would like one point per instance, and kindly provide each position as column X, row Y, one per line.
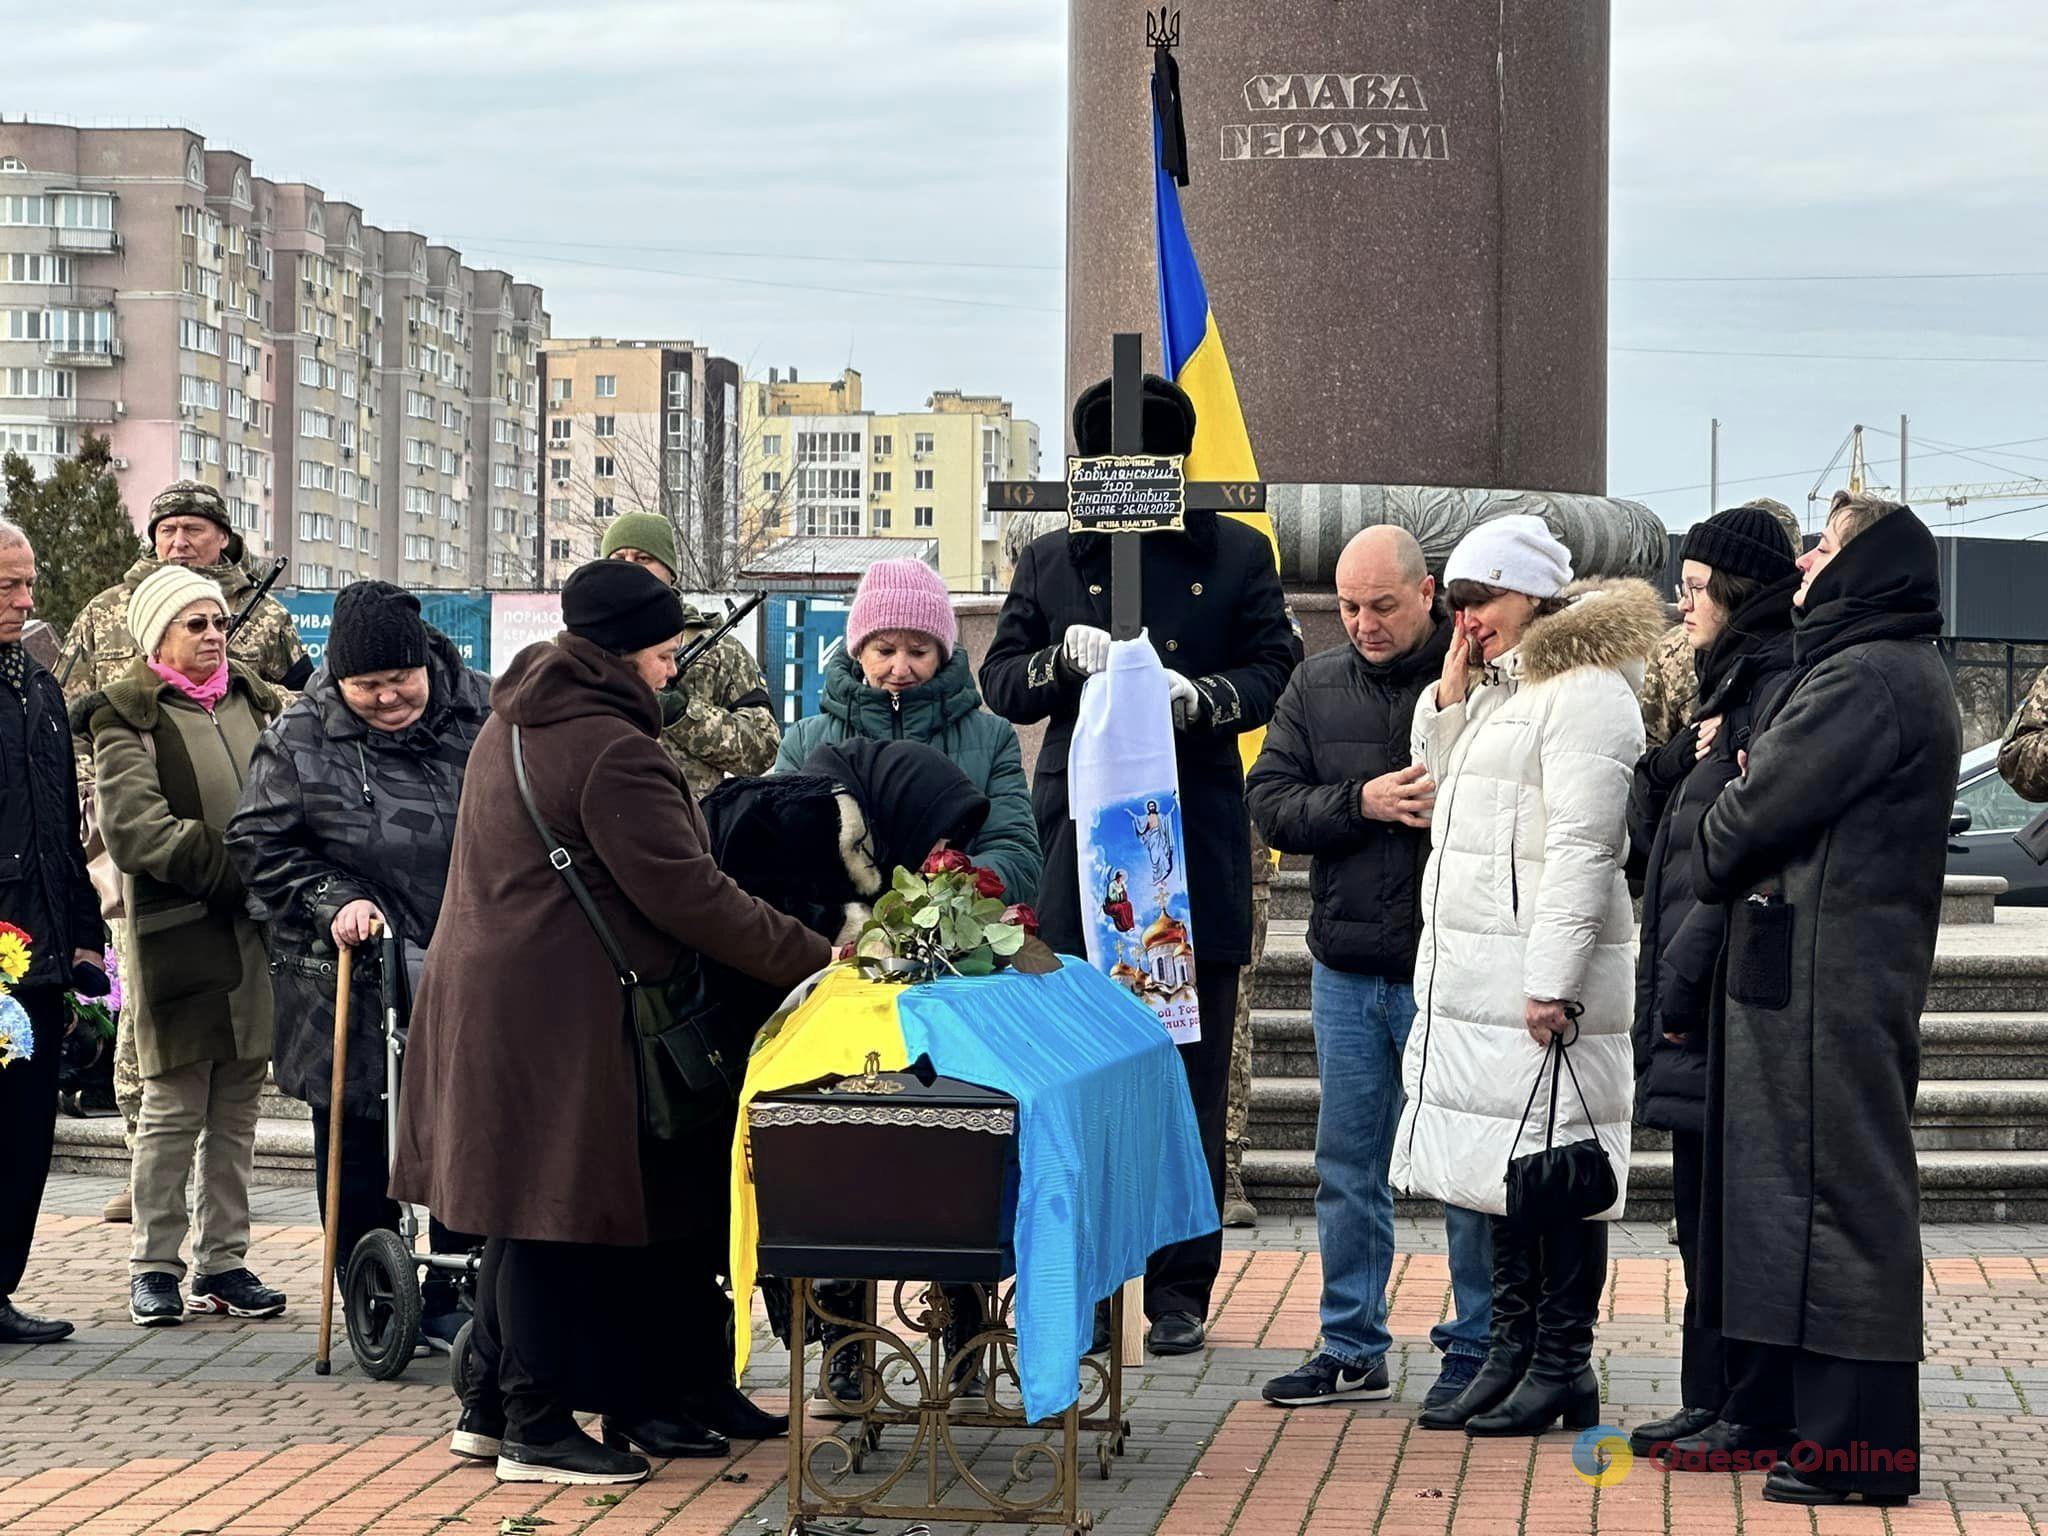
column 1167, row 418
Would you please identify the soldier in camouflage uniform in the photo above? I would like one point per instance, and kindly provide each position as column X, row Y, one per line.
column 1670, row 685
column 716, row 718
column 2023, row 760
column 189, row 526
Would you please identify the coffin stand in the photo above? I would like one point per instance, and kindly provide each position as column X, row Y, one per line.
column 898, row 1180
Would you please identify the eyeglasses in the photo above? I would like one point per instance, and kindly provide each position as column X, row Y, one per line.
column 200, row 623
column 1689, row 592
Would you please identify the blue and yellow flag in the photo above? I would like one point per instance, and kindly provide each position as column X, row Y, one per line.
column 1188, row 334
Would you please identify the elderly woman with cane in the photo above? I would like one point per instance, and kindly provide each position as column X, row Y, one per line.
column 530, row 1109
column 348, row 822
column 171, row 741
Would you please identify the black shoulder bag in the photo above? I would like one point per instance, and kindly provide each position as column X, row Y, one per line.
column 1558, row 1184
column 681, row 1078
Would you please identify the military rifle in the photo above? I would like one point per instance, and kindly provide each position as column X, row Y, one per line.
column 248, row 610
column 695, row 650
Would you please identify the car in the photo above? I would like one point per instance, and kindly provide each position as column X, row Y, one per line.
column 1987, row 815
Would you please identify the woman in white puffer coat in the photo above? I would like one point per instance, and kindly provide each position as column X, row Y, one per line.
column 1532, row 736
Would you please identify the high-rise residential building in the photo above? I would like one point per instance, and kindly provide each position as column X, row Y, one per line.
column 360, row 397
column 507, row 325
column 827, row 467
column 641, row 426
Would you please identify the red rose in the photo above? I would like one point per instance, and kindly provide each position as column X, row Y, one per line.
column 988, row 883
column 947, row 861
column 1021, row 916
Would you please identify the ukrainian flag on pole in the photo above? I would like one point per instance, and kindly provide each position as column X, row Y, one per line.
column 1188, row 333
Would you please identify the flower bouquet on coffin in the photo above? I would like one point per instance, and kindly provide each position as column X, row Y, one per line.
column 17, row 1035
column 949, row 919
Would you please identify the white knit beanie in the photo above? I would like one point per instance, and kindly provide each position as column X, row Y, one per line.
column 161, row 596
column 1518, row 554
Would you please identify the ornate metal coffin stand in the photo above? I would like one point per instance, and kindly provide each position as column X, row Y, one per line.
column 909, row 1379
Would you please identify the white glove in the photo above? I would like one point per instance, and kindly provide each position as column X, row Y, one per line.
column 1086, row 649
column 1186, row 700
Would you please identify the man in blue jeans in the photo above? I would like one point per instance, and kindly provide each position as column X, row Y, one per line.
column 1335, row 782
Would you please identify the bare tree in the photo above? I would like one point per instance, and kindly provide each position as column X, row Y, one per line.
column 722, row 518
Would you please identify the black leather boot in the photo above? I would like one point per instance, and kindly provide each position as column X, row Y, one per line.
column 1572, row 1265
column 1511, row 1333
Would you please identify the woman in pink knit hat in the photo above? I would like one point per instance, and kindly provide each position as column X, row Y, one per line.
column 902, row 678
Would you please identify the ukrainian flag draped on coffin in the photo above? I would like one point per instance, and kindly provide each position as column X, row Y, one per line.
column 1188, row 334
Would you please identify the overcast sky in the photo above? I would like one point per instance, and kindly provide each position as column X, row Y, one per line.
column 799, row 183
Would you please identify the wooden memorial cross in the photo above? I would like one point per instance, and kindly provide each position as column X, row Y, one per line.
column 1127, row 492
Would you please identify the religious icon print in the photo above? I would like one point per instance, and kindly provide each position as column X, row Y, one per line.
column 1138, row 926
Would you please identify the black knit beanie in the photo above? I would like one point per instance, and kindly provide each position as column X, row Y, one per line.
column 377, row 628
column 1743, row 541
column 621, row 606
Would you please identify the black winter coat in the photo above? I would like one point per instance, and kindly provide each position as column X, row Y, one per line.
column 336, row 812
column 1681, row 936
column 1829, row 853
column 44, row 889
column 1214, row 611
column 1342, row 721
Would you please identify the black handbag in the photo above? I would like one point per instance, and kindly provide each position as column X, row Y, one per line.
column 681, row 1078
column 1558, row 1184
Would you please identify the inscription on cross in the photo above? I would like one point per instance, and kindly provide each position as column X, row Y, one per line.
column 1126, row 493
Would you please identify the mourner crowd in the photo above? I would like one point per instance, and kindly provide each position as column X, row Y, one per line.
column 1484, row 775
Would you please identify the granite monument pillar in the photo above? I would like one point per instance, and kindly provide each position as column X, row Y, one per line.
column 1400, row 210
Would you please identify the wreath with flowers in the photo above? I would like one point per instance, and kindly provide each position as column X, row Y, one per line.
column 17, row 1035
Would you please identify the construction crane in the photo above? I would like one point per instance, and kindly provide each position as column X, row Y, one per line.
column 2020, row 488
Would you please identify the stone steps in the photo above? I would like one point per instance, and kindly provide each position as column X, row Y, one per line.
column 284, row 1149
column 1968, row 981
column 1965, row 898
column 1981, row 1114
column 1981, row 1118
column 1952, row 1045
column 1955, row 1186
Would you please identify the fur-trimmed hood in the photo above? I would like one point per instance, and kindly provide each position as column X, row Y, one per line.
column 1608, row 624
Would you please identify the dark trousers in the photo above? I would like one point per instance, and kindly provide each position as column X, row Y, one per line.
column 366, row 1205
column 1758, row 1385
column 1702, row 1372
column 1180, row 1277
column 28, row 1125
column 544, row 1348
column 1852, row 1421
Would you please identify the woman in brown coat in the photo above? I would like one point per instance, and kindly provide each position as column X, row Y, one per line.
column 519, row 1116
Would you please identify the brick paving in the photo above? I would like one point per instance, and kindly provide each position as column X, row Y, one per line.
column 220, row 1428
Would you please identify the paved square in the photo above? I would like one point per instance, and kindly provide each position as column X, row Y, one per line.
column 220, row 1428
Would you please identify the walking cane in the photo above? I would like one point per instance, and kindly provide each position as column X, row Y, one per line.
column 331, row 1239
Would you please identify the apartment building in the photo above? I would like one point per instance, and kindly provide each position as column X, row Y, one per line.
column 827, row 467
column 639, row 426
column 332, row 379
column 507, row 326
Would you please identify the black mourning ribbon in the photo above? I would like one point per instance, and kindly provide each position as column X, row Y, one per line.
column 1173, row 132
